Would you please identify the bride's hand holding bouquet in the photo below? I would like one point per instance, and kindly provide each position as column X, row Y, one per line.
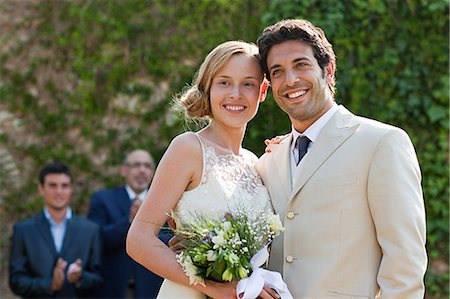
column 230, row 249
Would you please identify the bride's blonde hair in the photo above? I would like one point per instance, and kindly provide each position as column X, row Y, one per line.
column 194, row 100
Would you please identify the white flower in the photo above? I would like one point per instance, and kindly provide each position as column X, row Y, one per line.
column 275, row 224
column 233, row 258
column 190, row 269
column 211, row 255
column 218, row 240
column 227, row 225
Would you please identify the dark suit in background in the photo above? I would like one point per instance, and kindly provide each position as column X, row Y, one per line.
column 110, row 208
column 33, row 257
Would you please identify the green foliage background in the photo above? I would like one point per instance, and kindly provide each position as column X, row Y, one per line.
column 85, row 81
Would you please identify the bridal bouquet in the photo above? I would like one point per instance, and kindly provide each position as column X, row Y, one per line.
column 231, row 248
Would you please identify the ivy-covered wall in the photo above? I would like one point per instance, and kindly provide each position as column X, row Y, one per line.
column 83, row 81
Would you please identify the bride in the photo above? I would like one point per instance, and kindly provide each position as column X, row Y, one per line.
column 208, row 171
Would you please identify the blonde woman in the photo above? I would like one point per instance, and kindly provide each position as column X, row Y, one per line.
column 207, row 171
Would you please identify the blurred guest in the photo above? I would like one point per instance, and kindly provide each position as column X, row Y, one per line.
column 55, row 254
column 114, row 210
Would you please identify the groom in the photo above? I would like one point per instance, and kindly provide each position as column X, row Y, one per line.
column 352, row 207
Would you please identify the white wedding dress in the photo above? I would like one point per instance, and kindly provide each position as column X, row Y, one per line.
column 229, row 182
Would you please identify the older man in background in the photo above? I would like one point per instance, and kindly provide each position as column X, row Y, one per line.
column 114, row 210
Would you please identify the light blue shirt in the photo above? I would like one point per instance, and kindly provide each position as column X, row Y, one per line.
column 58, row 230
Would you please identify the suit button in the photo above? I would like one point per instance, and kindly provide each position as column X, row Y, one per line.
column 289, row 259
column 290, row 215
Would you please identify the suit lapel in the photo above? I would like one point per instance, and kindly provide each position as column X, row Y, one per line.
column 69, row 234
column 43, row 228
column 281, row 160
column 335, row 132
column 124, row 201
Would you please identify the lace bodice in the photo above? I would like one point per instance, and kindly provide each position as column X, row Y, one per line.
column 228, row 182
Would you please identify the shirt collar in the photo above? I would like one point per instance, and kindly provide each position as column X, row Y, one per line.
column 313, row 131
column 132, row 195
column 50, row 219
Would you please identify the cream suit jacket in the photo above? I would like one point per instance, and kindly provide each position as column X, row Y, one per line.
column 353, row 213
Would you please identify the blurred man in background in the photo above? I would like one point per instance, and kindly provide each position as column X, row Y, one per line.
column 114, row 210
column 55, row 254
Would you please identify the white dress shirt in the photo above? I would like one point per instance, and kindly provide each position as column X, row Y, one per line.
column 132, row 195
column 312, row 132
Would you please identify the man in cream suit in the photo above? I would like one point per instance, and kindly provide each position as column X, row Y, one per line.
column 352, row 207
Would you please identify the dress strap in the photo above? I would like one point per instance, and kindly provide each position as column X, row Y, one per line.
column 203, row 157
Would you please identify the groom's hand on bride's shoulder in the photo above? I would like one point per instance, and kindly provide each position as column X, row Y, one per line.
column 274, row 140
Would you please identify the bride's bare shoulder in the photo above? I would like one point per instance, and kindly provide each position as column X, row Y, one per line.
column 187, row 143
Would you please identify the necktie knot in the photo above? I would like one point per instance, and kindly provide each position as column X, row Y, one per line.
column 301, row 144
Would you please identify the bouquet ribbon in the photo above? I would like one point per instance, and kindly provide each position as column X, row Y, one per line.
column 251, row 287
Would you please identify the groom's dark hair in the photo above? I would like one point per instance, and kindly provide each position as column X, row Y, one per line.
column 297, row 29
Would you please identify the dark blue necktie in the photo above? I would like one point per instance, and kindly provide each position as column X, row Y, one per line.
column 302, row 146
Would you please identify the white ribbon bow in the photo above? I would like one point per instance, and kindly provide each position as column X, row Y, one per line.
column 251, row 287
